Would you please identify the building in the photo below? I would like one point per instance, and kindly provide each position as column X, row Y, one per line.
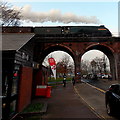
column 20, row 74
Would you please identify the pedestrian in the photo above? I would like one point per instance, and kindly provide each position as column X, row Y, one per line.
column 64, row 81
column 73, row 81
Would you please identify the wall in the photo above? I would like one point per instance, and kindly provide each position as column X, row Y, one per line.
column 25, row 88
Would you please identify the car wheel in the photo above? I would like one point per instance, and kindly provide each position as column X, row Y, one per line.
column 109, row 109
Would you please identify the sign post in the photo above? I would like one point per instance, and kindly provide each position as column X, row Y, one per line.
column 52, row 63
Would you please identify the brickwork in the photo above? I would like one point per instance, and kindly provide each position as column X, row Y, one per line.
column 77, row 49
column 25, row 89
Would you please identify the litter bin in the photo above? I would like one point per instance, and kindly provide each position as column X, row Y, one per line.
column 48, row 93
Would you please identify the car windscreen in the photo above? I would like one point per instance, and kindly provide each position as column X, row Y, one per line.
column 116, row 89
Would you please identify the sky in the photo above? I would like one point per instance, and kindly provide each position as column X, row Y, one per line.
column 99, row 12
column 63, row 12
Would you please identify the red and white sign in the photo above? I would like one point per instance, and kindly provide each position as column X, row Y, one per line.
column 52, row 63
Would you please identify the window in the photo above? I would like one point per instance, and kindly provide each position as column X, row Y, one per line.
column 116, row 89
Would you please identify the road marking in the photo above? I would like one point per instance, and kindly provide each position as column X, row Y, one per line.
column 90, row 107
column 103, row 91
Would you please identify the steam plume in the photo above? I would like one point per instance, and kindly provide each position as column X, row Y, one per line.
column 55, row 16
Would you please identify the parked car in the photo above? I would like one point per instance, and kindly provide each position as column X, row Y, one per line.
column 112, row 99
column 105, row 76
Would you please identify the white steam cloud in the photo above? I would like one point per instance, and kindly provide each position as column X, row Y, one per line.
column 54, row 16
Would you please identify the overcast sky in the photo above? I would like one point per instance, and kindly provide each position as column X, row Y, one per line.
column 89, row 56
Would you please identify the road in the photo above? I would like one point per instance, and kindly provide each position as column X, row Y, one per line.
column 94, row 97
column 103, row 83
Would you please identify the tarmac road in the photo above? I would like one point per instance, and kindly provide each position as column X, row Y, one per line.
column 94, row 98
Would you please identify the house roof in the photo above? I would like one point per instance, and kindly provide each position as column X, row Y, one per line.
column 14, row 41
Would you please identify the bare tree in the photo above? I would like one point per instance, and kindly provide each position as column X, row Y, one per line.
column 61, row 68
column 101, row 64
column 9, row 16
column 66, row 60
column 85, row 67
column 65, row 65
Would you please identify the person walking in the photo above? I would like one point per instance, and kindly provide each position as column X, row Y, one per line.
column 73, row 81
column 64, row 81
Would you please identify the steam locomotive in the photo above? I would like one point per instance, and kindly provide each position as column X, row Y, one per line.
column 62, row 31
column 73, row 31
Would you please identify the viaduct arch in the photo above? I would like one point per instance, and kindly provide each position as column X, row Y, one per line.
column 76, row 47
column 109, row 53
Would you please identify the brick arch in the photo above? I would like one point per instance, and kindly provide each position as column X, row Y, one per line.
column 109, row 52
column 99, row 46
column 48, row 48
column 55, row 47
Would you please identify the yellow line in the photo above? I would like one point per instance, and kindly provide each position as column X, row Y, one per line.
column 91, row 108
column 103, row 91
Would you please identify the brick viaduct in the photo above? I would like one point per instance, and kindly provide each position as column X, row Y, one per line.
column 77, row 46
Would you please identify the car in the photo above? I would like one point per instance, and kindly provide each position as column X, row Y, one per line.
column 105, row 76
column 112, row 99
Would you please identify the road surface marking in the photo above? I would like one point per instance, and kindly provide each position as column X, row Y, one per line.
column 103, row 91
column 90, row 107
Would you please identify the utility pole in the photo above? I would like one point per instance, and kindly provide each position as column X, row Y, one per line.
column 104, row 64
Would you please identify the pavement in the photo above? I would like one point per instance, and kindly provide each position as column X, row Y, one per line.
column 82, row 101
column 66, row 103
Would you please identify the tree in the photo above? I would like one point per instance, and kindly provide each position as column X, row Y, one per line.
column 61, row 68
column 66, row 60
column 9, row 16
column 85, row 67
column 65, row 66
column 93, row 64
column 100, row 65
